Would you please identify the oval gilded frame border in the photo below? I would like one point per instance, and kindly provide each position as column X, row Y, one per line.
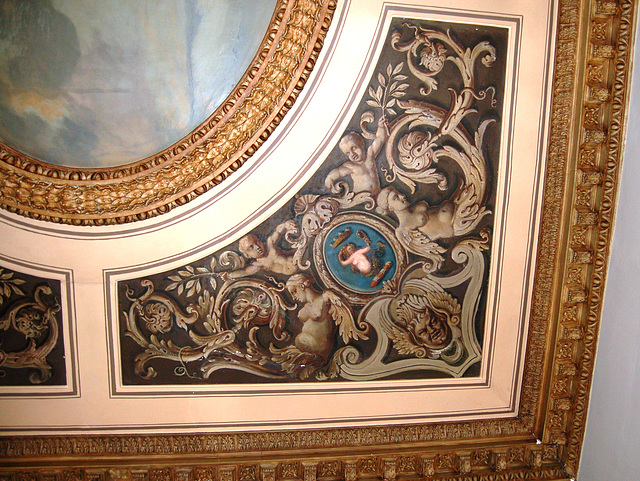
column 190, row 167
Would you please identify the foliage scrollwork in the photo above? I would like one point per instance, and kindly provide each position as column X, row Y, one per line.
column 29, row 329
column 376, row 268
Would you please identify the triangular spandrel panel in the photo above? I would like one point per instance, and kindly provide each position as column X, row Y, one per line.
column 378, row 268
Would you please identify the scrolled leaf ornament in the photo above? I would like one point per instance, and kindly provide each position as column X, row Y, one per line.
column 33, row 319
column 376, row 267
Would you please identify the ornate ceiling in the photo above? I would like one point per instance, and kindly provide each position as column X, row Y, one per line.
column 401, row 274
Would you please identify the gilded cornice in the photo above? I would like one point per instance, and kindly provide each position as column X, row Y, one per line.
column 192, row 166
column 590, row 90
column 599, row 149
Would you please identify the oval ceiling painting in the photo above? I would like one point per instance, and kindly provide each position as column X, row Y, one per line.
column 104, row 84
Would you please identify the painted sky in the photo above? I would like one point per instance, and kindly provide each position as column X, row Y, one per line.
column 103, row 84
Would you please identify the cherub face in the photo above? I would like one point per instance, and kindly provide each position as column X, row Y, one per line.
column 297, row 291
column 348, row 249
column 397, row 201
column 431, row 329
column 252, row 247
column 353, row 149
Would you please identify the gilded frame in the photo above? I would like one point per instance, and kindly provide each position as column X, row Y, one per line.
column 191, row 166
column 590, row 94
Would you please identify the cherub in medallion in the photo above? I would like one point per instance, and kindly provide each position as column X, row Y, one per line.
column 350, row 255
column 361, row 259
column 361, row 166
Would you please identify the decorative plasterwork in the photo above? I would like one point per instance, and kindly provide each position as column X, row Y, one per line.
column 37, row 340
column 192, row 166
column 593, row 60
column 597, row 150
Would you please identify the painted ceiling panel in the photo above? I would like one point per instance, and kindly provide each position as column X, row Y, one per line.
column 378, row 267
column 37, row 332
column 379, row 243
column 104, row 181
column 401, row 278
column 108, row 84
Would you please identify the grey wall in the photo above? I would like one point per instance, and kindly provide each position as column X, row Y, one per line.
column 611, row 449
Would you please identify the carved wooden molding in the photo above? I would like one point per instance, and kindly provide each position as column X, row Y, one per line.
column 193, row 165
column 590, row 94
column 595, row 169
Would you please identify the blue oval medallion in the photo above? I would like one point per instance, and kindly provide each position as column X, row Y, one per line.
column 359, row 257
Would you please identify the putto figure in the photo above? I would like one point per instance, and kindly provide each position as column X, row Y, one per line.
column 361, row 166
column 361, row 259
column 434, row 222
column 321, row 312
column 350, row 255
column 266, row 257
